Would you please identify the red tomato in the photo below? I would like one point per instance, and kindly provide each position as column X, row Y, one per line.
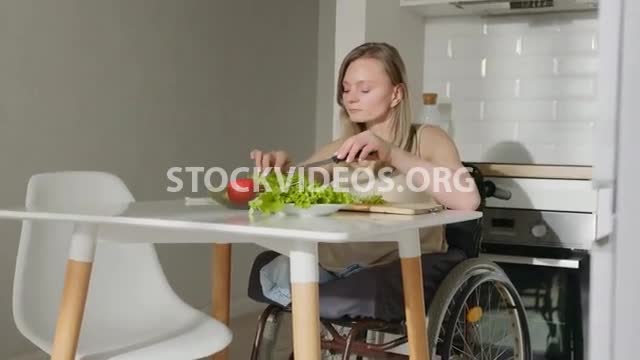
column 241, row 191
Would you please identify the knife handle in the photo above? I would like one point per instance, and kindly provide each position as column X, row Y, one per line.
column 337, row 160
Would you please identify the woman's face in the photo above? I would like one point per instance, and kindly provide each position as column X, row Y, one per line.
column 368, row 93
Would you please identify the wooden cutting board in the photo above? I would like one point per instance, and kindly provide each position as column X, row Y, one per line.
column 401, row 209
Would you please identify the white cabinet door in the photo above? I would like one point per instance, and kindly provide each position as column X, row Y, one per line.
column 615, row 290
column 626, row 244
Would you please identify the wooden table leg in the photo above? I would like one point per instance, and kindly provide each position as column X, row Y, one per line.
column 74, row 294
column 414, row 296
column 221, row 289
column 306, row 321
column 305, row 303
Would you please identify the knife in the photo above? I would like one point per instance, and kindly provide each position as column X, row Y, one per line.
column 334, row 159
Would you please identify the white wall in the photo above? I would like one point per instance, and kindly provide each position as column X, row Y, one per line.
column 521, row 89
column 135, row 87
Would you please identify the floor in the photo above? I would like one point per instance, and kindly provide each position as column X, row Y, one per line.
column 244, row 330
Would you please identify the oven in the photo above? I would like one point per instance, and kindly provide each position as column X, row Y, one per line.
column 540, row 234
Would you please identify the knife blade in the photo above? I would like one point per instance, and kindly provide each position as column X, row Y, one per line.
column 334, row 159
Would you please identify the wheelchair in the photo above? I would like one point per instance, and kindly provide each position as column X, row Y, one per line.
column 473, row 309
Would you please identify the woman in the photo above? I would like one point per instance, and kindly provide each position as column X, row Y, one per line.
column 374, row 99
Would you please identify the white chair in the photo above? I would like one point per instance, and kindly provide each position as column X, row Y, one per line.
column 131, row 311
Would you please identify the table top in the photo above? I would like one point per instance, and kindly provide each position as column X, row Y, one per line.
column 343, row 226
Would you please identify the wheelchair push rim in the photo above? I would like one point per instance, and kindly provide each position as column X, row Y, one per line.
column 487, row 322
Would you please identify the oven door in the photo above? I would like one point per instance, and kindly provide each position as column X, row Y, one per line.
column 545, row 255
column 554, row 292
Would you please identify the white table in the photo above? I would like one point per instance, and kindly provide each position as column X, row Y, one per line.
column 297, row 237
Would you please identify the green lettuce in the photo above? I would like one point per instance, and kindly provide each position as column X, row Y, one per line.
column 300, row 191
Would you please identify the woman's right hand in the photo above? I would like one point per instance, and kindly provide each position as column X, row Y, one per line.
column 271, row 159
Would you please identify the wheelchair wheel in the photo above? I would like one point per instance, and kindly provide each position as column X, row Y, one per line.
column 477, row 314
column 267, row 333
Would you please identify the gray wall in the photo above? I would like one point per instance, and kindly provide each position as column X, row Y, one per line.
column 325, row 96
column 388, row 22
column 136, row 87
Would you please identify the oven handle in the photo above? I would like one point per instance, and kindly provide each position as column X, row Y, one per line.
column 491, row 190
column 573, row 263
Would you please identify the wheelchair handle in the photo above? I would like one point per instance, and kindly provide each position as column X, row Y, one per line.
column 491, row 190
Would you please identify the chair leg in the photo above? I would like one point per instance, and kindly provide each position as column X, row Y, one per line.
column 362, row 338
column 257, row 340
column 356, row 342
column 221, row 287
column 267, row 325
column 354, row 334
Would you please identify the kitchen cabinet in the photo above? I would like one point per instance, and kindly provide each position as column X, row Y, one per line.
column 434, row 8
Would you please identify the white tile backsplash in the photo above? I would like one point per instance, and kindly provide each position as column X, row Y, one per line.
column 571, row 154
column 472, row 110
column 470, row 151
column 482, row 45
column 519, row 152
column 577, row 65
column 490, row 131
column 482, row 89
column 577, row 110
column 554, row 132
column 445, row 69
column 520, row 67
column 439, row 48
column 518, row 111
column 559, row 43
column 521, row 88
column 558, row 88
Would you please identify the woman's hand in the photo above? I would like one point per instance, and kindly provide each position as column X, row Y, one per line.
column 271, row 159
column 365, row 143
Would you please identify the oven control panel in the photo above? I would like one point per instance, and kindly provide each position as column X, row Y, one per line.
column 570, row 230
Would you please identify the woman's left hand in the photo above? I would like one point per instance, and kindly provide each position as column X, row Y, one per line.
column 365, row 142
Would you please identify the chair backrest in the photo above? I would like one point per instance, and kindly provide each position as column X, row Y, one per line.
column 467, row 236
column 127, row 283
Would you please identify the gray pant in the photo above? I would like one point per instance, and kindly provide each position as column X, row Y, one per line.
column 375, row 292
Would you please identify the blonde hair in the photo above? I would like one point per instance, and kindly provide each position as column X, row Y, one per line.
column 389, row 57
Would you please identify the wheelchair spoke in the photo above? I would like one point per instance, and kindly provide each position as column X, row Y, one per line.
column 499, row 356
column 504, row 348
column 480, row 331
column 442, row 330
column 489, row 350
column 471, row 356
column 462, row 335
column 484, row 326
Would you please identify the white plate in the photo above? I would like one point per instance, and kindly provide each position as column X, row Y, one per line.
column 313, row 210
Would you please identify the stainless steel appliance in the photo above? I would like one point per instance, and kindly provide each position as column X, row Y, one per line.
column 541, row 236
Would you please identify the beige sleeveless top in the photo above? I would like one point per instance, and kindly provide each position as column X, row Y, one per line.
column 337, row 257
